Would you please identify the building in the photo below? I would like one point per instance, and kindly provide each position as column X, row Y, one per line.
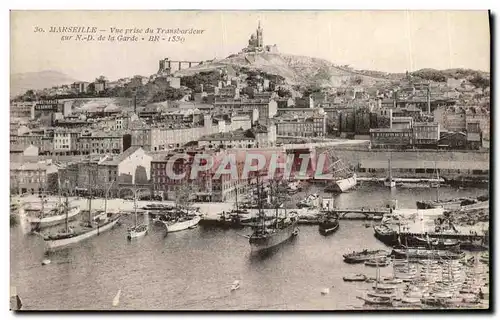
column 23, row 110
column 426, row 134
column 474, row 134
column 111, row 174
column 32, row 177
column 256, row 43
column 24, row 150
column 227, row 140
column 301, row 125
column 305, row 102
column 239, row 122
column 207, row 186
column 65, row 142
column 160, row 138
column 45, row 111
column 390, row 138
column 80, row 87
column 453, row 140
column 101, row 143
column 267, row 109
column 401, row 122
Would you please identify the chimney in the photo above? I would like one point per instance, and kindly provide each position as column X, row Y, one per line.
column 390, row 118
column 429, row 98
column 395, row 99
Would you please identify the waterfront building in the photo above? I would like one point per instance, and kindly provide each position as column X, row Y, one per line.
column 452, row 140
column 426, row 134
column 32, row 177
column 109, row 172
column 390, row 138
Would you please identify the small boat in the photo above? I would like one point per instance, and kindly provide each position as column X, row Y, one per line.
column 180, row 223
column 411, row 300
column 329, row 224
column 137, row 231
column 235, row 285
column 377, row 263
column 365, row 255
column 385, row 234
column 355, row 277
column 325, row 291
column 376, row 300
column 417, row 253
column 45, row 262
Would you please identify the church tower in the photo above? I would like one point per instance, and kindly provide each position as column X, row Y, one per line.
column 260, row 38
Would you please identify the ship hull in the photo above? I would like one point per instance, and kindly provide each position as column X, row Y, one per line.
column 452, row 205
column 344, row 185
column 180, row 226
column 46, row 222
column 133, row 234
column 259, row 244
column 52, row 245
column 328, row 228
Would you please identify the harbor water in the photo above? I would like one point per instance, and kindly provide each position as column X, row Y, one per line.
column 194, row 269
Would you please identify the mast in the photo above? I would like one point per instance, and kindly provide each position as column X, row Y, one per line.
column 67, row 209
column 390, row 168
column 39, row 191
column 90, row 193
column 438, row 181
column 135, row 205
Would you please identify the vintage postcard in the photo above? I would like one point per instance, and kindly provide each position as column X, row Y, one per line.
column 249, row 160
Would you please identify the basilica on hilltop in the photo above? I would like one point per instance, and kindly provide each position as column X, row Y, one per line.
column 256, row 43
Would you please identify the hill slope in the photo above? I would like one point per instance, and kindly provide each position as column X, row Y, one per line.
column 20, row 82
column 297, row 70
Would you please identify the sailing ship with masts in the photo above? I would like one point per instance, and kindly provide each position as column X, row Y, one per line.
column 182, row 217
column 137, row 230
column 264, row 236
column 344, row 178
column 43, row 217
column 95, row 225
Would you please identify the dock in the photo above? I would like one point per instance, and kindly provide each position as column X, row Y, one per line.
column 311, row 216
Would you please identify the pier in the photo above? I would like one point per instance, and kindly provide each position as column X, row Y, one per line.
column 456, row 236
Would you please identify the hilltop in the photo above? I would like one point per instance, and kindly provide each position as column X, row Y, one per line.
column 296, row 70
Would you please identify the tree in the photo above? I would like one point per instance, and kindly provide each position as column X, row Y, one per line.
column 101, row 79
column 284, row 93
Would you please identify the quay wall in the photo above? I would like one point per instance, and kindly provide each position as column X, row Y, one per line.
column 416, row 163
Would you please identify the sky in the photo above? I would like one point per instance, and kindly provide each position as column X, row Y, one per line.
column 390, row 41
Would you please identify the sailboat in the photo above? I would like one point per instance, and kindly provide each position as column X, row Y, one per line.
column 389, row 182
column 435, row 184
column 380, row 295
column 72, row 235
column 138, row 230
column 40, row 218
column 181, row 218
column 238, row 217
column 266, row 237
